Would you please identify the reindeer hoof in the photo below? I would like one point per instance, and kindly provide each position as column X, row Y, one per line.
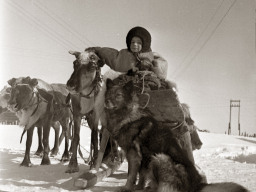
column 46, row 161
column 54, row 152
column 72, row 167
column 39, row 153
column 26, row 164
column 72, row 170
column 65, row 158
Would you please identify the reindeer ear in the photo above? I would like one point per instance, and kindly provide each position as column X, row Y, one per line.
column 12, row 82
column 76, row 53
column 129, row 86
column 26, row 80
column 33, row 82
column 109, row 83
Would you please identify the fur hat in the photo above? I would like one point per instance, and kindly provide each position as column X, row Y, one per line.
column 141, row 33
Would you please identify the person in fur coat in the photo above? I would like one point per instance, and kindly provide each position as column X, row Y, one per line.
column 126, row 59
column 138, row 54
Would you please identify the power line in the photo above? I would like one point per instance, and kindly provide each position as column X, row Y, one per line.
column 63, row 23
column 56, row 37
column 197, row 40
column 200, row 49
column 33, row 50
column 36, row 56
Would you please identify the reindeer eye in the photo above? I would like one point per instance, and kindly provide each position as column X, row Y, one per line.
column 92, row 58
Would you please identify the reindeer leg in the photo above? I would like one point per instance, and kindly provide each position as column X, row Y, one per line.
column 55, row 149
column 26, row 161
column 40, row 148
column 94, row 137
column 71, row 134
column 46, row 132
column 73, row 165
column 64, row 124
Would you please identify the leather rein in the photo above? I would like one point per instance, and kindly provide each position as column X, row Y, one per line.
column 96, row 83
column 39, row 100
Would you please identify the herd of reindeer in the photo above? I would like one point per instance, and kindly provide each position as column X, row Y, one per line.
column 153, row 150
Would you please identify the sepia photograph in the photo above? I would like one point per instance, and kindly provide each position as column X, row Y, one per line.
column 128, row 95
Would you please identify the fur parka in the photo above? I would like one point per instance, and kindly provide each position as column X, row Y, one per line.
column 124, row 60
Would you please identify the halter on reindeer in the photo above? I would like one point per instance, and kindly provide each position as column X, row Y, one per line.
column 84, row 86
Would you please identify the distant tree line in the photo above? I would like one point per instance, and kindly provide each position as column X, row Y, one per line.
column 203, row 130
column 248, row 135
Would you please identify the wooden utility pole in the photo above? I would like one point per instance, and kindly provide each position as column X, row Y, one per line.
column 234, row 103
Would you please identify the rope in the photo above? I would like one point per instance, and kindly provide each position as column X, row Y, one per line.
column 84, row 148
column 179, row 125
column 81, row 154
column 143, row 79
column 147, row 100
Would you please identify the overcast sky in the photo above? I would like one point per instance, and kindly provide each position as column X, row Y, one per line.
column 209, row 45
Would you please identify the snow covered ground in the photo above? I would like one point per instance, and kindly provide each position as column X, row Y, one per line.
column 222, row 158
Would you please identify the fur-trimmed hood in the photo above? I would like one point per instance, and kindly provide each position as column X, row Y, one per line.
column 141, row 33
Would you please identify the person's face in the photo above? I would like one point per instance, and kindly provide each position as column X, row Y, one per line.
column 136, row 45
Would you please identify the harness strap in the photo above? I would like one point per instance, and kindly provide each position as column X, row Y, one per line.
column 88, row 95
column 40, row 99
column 96, row 82
column 38, row 102
column 38, row 96
column 28, row 102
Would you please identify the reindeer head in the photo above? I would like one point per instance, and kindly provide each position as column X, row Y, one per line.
column 86, row 66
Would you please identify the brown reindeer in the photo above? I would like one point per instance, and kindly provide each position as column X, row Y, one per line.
column 87, row 98
column 84, row 85
column 4, row 98
column 55, row 114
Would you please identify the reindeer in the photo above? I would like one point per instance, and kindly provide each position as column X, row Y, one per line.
column 84, row 86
